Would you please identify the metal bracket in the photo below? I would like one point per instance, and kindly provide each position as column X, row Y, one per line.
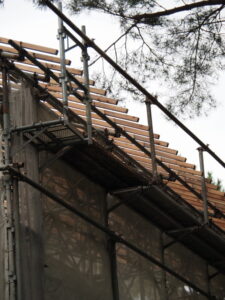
column 121, row 202
column 184, row 232
column 29, row 141
column 60, row 153
column 118, row 192
column 71, row 47
column 139, row 188
column 213, row 275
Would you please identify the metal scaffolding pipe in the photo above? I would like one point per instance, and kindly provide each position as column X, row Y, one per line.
column 164, row 292
column 63, row 76
column 16, row 216
column 10, row 270
column 148, row 104
column 87, row 99
column 36, row 126
column 117, row 238
column 204, row 189
column 111, row 249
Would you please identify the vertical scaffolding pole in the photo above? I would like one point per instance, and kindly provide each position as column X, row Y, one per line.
column 85, row 59
column 208, row 279
column 151, row 139
column 204, row 189
column 10, row 272
column 17, row 238
column 111, row 247
column 162, row 258
column 63, row 76
column 113, row 266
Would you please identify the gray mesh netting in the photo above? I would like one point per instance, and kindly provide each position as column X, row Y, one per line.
column 76, row 257
column 76, row 260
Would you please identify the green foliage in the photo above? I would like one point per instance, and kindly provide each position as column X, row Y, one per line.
column 217, row 182
column 182, row 44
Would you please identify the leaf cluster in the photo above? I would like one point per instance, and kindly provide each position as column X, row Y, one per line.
column 217, row 182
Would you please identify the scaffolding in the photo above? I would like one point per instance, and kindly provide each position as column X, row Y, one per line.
column 80, row 217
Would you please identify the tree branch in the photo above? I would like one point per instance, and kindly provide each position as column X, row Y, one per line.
column 178, row 9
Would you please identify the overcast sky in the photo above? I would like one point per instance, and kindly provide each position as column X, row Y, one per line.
column 20, row 20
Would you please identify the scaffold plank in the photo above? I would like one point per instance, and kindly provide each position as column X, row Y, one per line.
column 31, row 46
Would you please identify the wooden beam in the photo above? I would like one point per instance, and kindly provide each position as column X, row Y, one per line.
column 121, row 116
column 36, row 55
column 81, row 109
column 57, row 88
column 55, row 67
column 128, row 129
column 159, row 149
column 142, row 158
column 31, row 46
column 95, row 116
column 164, row 157
column 211, row 193
column 32, row 68
column 72, row 99
column 109, row 106
column 188, row 195
column 210, row 190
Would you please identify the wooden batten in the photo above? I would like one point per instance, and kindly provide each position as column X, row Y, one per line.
column 55, row 88
column 92, row 89
column 159, row 149
column 213, row 198
column 80, row 79
column 31, row 46
column 33, row 69
column 127, row 129
column 141, row 157
column 36, row 55
column 162, row 156
column 80, row 107
column 72, row 98
column 105, row 103
column 121, row 116
column 56, row 67
column 95, row 116
column 110, row 107
column 210, row 192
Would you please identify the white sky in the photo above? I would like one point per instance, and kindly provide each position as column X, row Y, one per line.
column 20, row 20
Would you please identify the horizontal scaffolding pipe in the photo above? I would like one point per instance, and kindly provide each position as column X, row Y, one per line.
column 154, row 100
column 113, row 235
column 39, row 125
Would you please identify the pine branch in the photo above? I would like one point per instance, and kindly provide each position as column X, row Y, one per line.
column 178, row 9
